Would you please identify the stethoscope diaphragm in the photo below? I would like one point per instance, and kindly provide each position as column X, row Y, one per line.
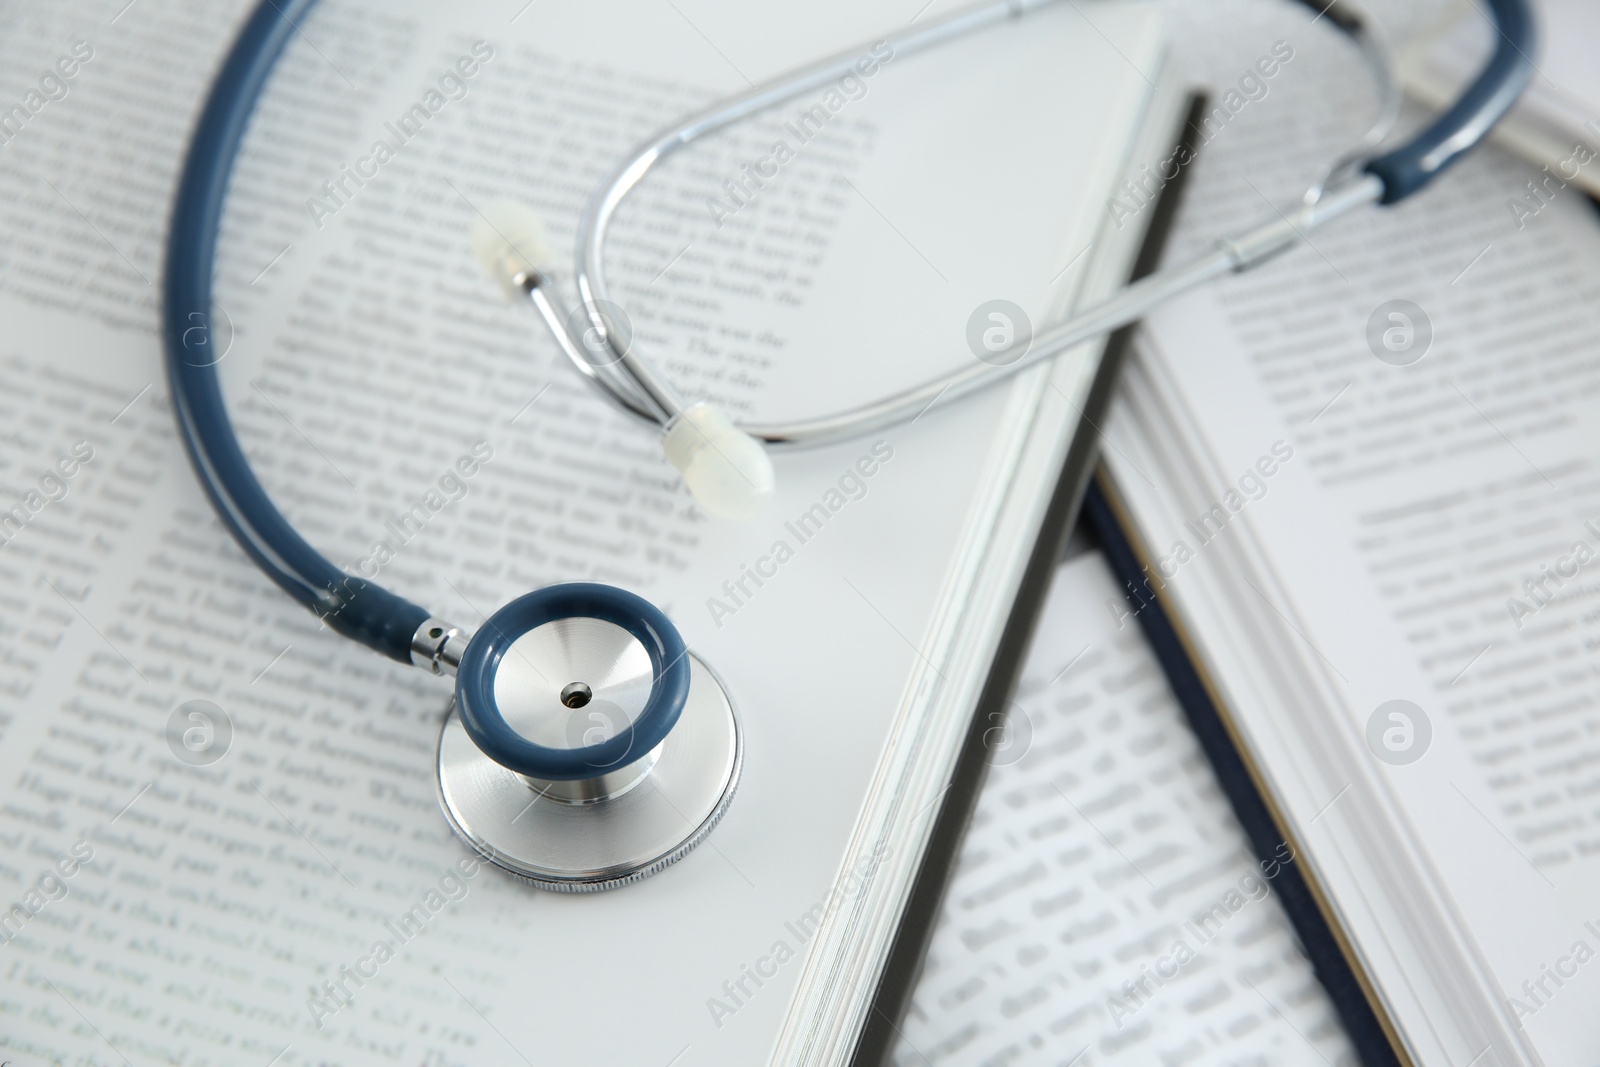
column 571, row 684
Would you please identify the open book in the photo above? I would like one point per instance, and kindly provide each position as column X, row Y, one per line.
column 282, row 887
column 1107, row 905
column 1362, row 482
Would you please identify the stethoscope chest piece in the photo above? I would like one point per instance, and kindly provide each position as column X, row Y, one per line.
column 582, row 689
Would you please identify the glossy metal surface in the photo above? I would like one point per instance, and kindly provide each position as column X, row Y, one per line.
column 437, row 646
column 576, row 843
column 608, row 786
column 605, row 667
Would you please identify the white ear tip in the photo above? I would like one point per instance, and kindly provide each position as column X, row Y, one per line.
column 508, row 239
column 727, row 470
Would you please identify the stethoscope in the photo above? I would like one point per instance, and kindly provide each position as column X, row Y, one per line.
column 586, row 746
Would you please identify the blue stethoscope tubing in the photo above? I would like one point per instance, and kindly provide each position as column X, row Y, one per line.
column 1411, row 166
column 366, row 612
column 352, row 606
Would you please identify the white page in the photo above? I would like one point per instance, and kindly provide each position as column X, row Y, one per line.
column 1417, row 501
column 236, row 890
column 1092, row 857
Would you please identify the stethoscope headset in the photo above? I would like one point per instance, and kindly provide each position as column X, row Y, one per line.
column 586, row 747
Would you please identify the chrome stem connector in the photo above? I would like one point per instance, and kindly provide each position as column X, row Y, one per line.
column 437, row 646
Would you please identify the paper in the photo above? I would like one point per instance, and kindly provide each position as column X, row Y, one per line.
column 1107, row 908
column 1430, row 368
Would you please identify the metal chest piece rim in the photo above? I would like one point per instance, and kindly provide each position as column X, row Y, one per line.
column 618, row 827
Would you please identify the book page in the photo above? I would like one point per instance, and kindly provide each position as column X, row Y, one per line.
column 223, row 843
column 1106, row 908
column 1416, row 490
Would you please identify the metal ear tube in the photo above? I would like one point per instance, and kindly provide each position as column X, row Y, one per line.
column 1364, row 175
